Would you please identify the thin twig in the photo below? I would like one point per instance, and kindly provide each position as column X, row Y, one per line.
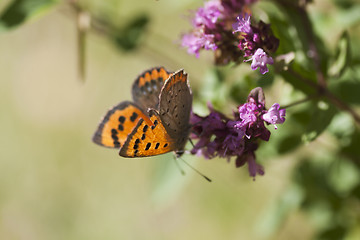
column 323, row 91
column 308, row 98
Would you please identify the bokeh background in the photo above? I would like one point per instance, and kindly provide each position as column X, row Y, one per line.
column 56, row 184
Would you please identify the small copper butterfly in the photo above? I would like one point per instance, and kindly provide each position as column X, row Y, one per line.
column 156, row 122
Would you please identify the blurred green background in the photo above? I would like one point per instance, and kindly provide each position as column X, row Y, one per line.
column 56, row 184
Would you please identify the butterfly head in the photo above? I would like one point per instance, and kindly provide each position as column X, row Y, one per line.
column 179, row 153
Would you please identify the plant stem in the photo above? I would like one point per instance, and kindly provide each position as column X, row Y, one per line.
column 342, row 105
column 308, row 98
column 324, row 91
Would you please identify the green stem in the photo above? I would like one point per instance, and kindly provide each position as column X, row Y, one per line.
column 308, row 98
column 324, row 91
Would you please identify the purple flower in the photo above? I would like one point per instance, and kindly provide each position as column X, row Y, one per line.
column 248, row 114
column 196, row 41
column 208, row 42
column 220, row 136
column 275, row 115
column 208, row 15
column 243, row 25
column 254, row 41
column 253, row 167
column 259, row 60
column 203, row 129
column 212, row 29
column 216, row 26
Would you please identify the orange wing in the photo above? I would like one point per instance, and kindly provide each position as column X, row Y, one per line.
column 118, row 123
column 146, row 88
column 148, row 140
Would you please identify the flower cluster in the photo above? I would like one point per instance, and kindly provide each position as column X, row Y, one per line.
column 213, row 29
column 220, row 136
column 253, row 40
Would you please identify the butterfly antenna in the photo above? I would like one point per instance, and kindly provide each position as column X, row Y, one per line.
column 201, row 174
column 191, row 142
column 179, row 167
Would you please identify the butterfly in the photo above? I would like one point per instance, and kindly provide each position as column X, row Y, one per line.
column 156, row 122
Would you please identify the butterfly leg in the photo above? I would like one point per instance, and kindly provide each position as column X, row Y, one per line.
column 191, row 142
column 152, row 111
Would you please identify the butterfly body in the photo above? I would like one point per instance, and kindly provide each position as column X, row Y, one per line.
column 156, row 122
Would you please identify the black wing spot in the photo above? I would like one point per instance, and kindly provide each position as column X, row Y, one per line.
column 148, row 145
column 113, row 131
column 137, row 141
column 145, row 128
column 155, row 123
column 133, row 116
column 121, row 127
column 143, row 136
column 135, row 152
column 116, row 144
column 165, row 145
column 136, row 146
column 157, row 145
column 122, row 119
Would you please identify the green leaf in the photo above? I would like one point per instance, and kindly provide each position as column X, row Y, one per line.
column 266, row 80
column 352, row 149
column 314, row 119
column 346, row 4
column 289, row 143
column 321, row 115
column 129, row 37
column 347, row 91
column 298, row 77
column 343, row 56
column 312, row 177
column 333, row 233
column 20, row 11
column 303, row 37
column 281, row 29
column 238, row 92
column 342, row 126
